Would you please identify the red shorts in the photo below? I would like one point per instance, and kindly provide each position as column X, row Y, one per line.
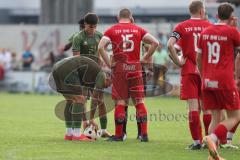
column 190, row 87
column 221, row 99
column 126, row 85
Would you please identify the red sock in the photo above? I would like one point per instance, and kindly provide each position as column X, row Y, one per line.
column 119, row 116
column 194, row 125
column 233, row 130
column 142, row 116
column 221, row 132
column 207, row 118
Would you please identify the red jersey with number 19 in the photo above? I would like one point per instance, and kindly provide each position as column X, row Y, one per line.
column 189, row 31
column 216, row 44
column 126, row 39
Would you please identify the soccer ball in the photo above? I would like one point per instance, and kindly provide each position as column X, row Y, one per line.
column 92, row 133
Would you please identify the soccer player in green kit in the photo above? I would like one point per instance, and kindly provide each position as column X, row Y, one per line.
column 73, row 77
column 85, row 43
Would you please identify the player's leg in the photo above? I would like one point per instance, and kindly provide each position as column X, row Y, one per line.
column 190, row 91
column 103, row 116
column 211, row 141
column 207, row 118
column 77, row 118
column 138, row 123
column 119, row 117
column 141, row 114
column 231, row 133
column 120, row 96
column 194, row 123
column 68, row 117
column 136, row 89
column 220, row 132
column 227, row 142
column 125, row 123
column 138, row 128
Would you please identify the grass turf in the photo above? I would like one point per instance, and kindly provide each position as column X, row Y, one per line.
column 29, row 130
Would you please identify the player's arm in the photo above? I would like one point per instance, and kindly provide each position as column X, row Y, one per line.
column 153, row 42
column 199, row 62
column 67, row 46
column 76, row 45
column 237, row 64
column 198, row 51
column 101, row 49
column 172, row 52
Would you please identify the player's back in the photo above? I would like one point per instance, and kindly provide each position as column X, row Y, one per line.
column 126, row 39
column 217, row 43
column 189, row 31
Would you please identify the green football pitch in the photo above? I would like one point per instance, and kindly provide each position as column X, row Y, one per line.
column 29, row 130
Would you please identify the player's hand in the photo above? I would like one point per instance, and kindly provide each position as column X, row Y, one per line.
column 95, row 125
column 113, row 64
column 182, row 62
column 144, row 61
column 238, row 83
column 149, row 74
column 85, row 124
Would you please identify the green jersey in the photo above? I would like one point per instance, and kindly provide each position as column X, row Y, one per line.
column 73, row 72
column 87, row 45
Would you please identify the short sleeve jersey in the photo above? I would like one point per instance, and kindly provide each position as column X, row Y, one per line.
column 126, row 39
column 216, row 44
column 188, row 31
column 86, row 44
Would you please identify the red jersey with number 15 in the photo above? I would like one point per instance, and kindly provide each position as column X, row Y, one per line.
column 216, row 44
column 126, row 39
column 189, row 31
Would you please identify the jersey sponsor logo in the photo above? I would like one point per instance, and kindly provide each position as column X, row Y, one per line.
column 210, row 84
column 176, row 35
column 127, row 67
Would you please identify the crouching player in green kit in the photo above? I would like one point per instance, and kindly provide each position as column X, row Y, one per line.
column 74, row 77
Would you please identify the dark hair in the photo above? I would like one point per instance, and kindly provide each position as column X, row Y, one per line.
column 81, row 21
column 195, row 6
column 125, row 13
column 91, row 18
column 225, row 11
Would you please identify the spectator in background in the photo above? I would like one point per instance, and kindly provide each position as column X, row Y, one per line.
column 160, row 63
column 61, row 54
column 5, row 62
column 27, row 58
column 48, row 62
column 15, row 65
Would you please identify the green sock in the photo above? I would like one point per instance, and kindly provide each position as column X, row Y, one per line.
column 103, row 122
column 68, row 114
column 77, row 114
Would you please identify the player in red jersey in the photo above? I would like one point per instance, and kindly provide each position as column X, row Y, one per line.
column 216, row 65
column 226, row 143
column 188, row 32
column 125, row 38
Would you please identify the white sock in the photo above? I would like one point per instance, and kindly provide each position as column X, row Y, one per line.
column 229, row 137
column 103, row 130
column 76, row 132
column 69, row 131
column 196, row 142
column 214, row 137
